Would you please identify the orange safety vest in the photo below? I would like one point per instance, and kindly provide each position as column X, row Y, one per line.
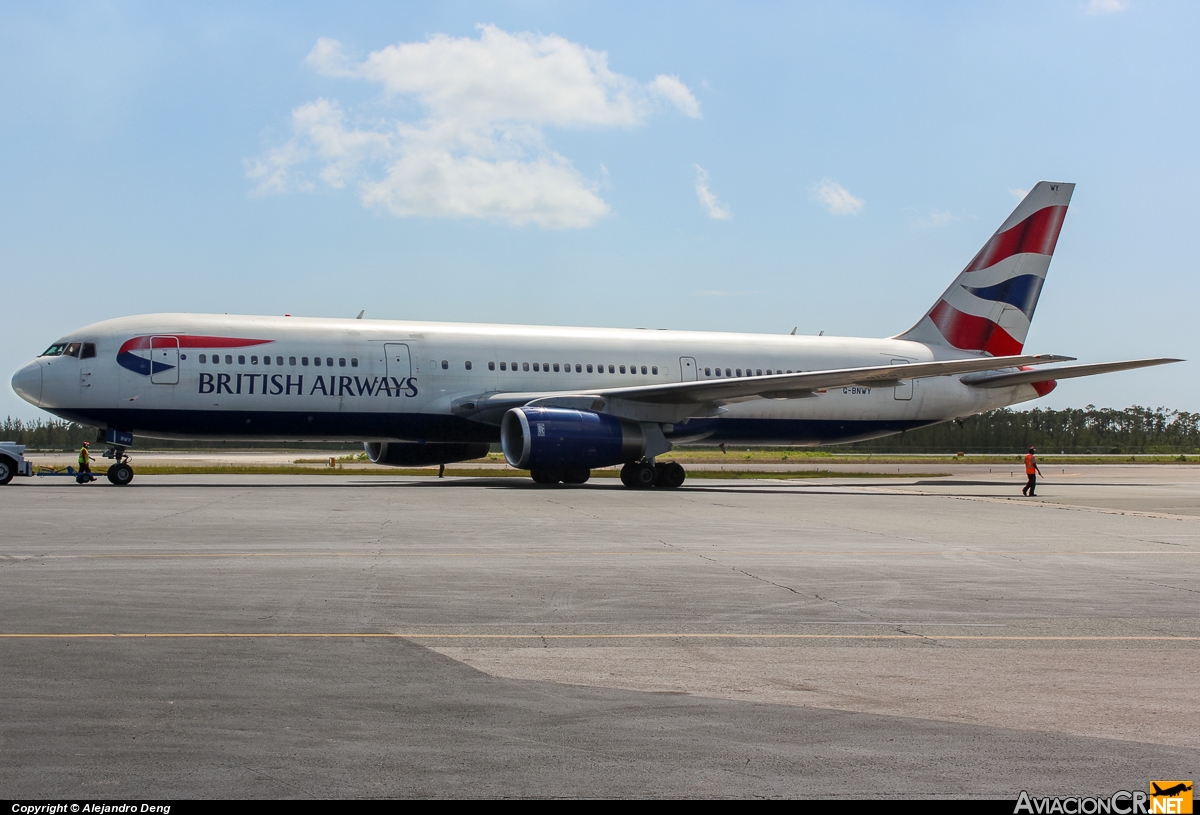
column 1030, row 467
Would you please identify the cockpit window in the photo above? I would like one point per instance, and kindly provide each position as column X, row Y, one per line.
column 89, row 350
column 72, row 349
column 55, row 350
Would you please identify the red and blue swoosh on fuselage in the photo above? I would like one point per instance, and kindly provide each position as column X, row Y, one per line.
column 128, row 358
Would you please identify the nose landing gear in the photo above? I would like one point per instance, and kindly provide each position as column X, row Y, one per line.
column 120, row 473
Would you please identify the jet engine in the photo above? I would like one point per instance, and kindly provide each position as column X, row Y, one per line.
column 412, row 454
column 546, row 438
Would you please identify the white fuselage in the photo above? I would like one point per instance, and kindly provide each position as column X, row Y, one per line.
column 243, row 377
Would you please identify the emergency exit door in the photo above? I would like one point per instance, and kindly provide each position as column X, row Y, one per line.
column 687, row 369
column 164, row 360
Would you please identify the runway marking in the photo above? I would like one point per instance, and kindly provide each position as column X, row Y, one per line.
column 654, row 636
column 649, row 553
column 1014, row 501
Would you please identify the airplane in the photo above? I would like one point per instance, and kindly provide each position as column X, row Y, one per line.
column 1170, row 792
column 562, row 401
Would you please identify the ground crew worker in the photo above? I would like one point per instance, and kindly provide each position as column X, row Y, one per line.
column 85, row 461
column 1032, row 471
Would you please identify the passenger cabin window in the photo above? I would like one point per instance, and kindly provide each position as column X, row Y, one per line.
column 589, row 369
column 329, row 362
column 654, row 370
column 612, row 369
column 492, row 366
column 524, row 366
column 578, row 368
column 317, row 361
column 203, row 358
column 354, row 362
column 556, row 367
column 341, row 362
column 536, row 367
column 292, row 361
column 304, row 361
column 253, row 360
column 229, row 359
column 504, row 366
column 468, row 364
column 241, row 359
column 445, row 365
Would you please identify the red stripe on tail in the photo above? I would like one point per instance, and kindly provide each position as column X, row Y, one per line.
column 1037, row 234
column 971, row 333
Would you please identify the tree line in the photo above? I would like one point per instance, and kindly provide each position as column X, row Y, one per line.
column 1074, row 430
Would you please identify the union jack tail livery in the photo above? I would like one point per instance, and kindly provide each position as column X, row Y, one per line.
column 990, row 304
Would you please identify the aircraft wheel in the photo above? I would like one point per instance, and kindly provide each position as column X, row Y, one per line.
column 579, row 475
column 642, row 475
column 545, row 476
column 670, row 475
column 627, row 475
column 7, row 471
column 120, row 474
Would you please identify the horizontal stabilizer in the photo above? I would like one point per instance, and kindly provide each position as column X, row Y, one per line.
column 1006, row 380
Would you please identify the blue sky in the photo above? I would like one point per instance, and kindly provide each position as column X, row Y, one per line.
column 713, row 166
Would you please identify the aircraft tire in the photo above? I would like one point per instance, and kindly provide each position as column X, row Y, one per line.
column 642, row 475
column 545, row 476
column 627, row 475
column 670, row 476
column 578, row 475
column 120, row 474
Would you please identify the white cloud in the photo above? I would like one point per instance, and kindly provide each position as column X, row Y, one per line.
column 677, row 93
column 1018, row 193
column 836, row 198
column 1106, row 6
column 934, row 220
column 715, row 209
column 479, row 150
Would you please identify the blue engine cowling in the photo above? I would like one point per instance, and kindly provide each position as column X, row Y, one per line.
column 544, row 438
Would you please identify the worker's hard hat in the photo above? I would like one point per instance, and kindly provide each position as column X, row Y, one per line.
column 1033, row 449
column 87, row 444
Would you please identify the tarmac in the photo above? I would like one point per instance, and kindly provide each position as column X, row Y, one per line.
column 221, row 636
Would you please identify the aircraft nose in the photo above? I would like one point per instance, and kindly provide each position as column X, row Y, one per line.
column 27, row 382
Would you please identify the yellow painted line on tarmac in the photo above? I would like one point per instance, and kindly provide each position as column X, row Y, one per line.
column 653, row 636
column 674, row 552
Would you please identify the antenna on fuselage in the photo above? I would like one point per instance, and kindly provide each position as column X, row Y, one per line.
column 794, row 330
column 360, row 314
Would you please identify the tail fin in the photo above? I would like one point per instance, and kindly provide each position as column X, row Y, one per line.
column 989, row 306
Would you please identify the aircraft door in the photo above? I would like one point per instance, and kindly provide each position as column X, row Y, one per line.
column 904, row 390
column 164, row 360
column 398, row 360
column 687, row 369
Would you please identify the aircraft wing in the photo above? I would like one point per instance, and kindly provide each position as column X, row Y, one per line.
column 676, row 401
column 1005, row 380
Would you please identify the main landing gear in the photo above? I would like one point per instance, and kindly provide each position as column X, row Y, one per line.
column 642, row 475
